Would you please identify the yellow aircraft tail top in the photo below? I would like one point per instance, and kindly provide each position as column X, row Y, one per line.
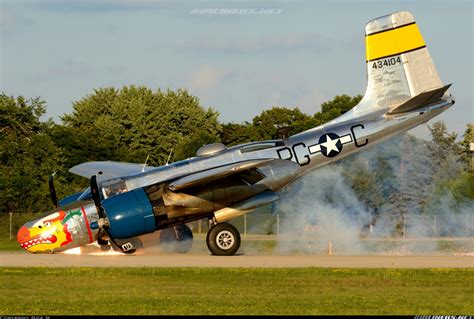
column 399, row 66
column 393, row 39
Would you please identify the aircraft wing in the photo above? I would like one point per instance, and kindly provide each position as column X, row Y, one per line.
column 108, row 169
column 214, row 174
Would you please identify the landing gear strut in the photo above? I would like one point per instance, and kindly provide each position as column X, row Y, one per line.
column 223, row 239
column 177, row 239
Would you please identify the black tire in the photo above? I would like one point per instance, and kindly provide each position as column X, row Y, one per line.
column 177, row 239
column 104, row 247
column 103, row 244
column 223, row 239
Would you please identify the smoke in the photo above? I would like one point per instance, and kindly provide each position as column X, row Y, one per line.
column 323, row 208
column 390, row 199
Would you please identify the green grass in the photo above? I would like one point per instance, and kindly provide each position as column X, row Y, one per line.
column 9, row 245
column 17, row 221
column 122, row 291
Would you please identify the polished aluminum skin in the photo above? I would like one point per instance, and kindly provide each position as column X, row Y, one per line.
column 403, row 90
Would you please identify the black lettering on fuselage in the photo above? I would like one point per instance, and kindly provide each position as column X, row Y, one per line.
column 354, row 136
column 302, row 161
column 285, row 153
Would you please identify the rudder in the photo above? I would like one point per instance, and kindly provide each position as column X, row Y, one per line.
column 399, row 65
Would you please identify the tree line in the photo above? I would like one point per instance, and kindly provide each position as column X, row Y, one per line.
column 132, row 123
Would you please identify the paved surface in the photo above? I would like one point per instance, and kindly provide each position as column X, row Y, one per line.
column 255, row 261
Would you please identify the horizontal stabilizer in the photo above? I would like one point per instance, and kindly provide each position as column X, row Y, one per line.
column 420, row 100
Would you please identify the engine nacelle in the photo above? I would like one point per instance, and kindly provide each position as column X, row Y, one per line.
column 130, row 214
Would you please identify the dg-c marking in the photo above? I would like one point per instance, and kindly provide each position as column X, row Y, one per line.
column 329, row 144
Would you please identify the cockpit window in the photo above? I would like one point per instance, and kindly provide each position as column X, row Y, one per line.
column 86, row 194
column 114, row 187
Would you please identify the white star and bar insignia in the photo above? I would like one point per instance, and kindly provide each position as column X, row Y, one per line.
column 330, row 144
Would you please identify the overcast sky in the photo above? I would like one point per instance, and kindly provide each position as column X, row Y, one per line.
column 292, row 53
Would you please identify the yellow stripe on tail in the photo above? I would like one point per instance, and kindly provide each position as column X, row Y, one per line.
column 399, row 66
column 393, row 41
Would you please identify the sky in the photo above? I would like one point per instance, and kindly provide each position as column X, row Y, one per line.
column 242, row 62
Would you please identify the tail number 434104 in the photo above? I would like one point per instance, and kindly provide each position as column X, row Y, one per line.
column 386, row 62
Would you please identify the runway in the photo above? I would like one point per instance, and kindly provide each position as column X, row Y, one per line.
column 21, row 259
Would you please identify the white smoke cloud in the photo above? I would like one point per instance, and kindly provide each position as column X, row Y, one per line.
column 323, row 201
column 322, row 208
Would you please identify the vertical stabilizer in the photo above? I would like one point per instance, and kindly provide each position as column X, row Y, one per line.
column 399, row 65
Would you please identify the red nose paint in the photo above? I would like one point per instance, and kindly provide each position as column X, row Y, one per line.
column 23, row 235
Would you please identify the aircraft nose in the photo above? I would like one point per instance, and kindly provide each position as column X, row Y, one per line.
column 23, row 236
column 36, row 237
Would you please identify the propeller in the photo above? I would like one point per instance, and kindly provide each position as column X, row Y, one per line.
column 103, row 222
column 52, row 190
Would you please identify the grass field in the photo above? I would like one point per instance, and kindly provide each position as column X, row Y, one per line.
column 9, row 245
column 43, row 291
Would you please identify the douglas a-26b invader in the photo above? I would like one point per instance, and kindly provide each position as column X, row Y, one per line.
column 127, row 200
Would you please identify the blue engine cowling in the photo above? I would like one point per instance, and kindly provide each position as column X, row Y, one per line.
column 130, row 214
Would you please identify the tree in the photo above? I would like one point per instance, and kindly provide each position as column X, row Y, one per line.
column 364, row 183
column 339, row 105
column 188, row 146
column 468, row 138
column 234, row 134
column 130, row 123
column 443, row 141
column 280, row 122
column 27, row 155
column 451, row 180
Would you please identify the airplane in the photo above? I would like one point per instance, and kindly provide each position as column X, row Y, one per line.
column 127, row 200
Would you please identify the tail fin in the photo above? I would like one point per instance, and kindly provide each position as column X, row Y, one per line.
column 399, row 66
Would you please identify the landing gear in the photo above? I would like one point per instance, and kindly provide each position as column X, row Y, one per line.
column 127, row 252
column 177, row 239
column 131, row 243
column 103, row 244
column 223, row 239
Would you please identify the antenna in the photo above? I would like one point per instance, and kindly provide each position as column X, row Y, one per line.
column 169, row 156
column 143, row 169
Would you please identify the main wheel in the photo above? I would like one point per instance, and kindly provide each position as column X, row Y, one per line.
column 223, row 239
column 177, row 239
column 103, row 244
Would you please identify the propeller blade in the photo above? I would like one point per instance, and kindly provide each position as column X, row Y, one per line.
column 127, row 247
column 96, row 196
column 52, row 191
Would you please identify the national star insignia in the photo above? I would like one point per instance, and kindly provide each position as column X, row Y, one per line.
column 330, row 144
